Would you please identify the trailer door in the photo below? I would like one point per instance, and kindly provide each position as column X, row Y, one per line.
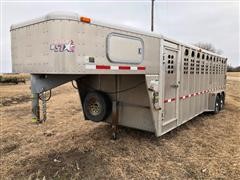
column 170, row 89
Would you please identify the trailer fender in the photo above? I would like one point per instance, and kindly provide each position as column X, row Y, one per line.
column 155, row 98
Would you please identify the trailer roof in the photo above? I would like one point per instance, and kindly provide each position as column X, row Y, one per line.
column 61, row 15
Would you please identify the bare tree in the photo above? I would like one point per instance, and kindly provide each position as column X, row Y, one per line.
column 233, row 69
column 208, row 47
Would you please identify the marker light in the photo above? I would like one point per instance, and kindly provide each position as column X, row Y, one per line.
column 85, row 19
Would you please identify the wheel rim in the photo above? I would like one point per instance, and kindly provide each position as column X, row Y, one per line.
column 94, row 107
column 221, row 103
column 217, row 107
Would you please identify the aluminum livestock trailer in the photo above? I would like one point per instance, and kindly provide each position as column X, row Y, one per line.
column 124, row 76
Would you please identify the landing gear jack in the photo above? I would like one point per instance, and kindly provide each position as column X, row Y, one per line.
column 35, row 107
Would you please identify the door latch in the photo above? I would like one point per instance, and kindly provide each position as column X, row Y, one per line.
column 175, row 85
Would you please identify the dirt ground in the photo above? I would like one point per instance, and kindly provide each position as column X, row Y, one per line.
column 68, row 147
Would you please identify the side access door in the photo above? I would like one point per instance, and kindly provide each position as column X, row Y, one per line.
column 171, row 87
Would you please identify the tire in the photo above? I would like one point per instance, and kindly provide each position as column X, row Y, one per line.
column 217, row 105
column 222, row 101
column 97, row 106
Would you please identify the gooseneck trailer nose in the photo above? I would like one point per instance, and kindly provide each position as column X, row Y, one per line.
column 124, row 76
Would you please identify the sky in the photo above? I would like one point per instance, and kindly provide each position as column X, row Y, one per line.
column 215, row 22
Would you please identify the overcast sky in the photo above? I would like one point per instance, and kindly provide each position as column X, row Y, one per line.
column 215, row 22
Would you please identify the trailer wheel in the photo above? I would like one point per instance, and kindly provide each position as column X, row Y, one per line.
column 97, row 106
column 222, row 101
column 217, row 105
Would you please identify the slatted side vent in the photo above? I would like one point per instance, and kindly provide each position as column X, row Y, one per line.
column 185, row 62
column 192, row 66
column 202, row 63
column 219, row 66
column 202, row 67
column 210, row 65
column 222, row 67
column 170, row 64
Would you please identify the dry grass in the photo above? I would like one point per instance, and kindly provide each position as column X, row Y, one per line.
column 66, row 146
column 12, row 75
column 13, row 78
column 233, row 74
